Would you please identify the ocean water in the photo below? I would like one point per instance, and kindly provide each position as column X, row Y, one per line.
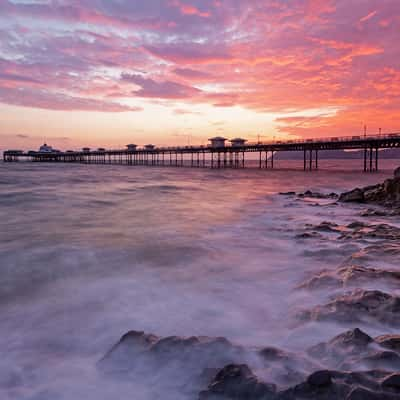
column 88, row 252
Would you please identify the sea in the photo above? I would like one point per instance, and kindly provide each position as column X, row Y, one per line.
column 89, row 252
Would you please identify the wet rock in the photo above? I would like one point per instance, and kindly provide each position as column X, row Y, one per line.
column 350, row 275
column 361, row 393
column 238, row 382
column 327, row 226
column 318, row 195
column 273, row 354
column 389, row 341
column 364, row 231
column 355, row 195
column 357, row 307
column 182, row 364
column 386, row 252
column 392, row 381
column 342, row 347
column 321, row 388
column 386, row 193
column 388, row 360
column 320, row 378
column 371, row 212
column 287, row 193
column 196, row 366
column 309, row 235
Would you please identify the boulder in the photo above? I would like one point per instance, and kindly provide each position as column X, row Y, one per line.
column 355, row 195
column 386, row 193
column 392, row 381
column 358, row 306
column 389, row 341
column 320, row 378
column 237, row 381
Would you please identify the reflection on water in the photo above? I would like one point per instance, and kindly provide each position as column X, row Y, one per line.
column 89, row 252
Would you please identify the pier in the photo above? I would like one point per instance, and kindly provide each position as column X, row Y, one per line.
column 218, row 154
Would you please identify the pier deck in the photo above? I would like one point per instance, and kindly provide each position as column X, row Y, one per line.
column 226, row 156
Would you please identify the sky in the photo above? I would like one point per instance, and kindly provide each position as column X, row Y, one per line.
column 104, row 73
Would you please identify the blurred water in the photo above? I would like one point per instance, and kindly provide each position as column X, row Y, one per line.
column 88, row 252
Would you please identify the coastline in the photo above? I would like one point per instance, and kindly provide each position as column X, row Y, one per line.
column 351, row 365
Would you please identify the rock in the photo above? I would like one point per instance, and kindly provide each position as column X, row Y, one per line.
column 238, row 382
column 320, row 378
column 386, row 193
column 392, row 381
column 347, row 345
column 364, row 231
column 309, row 235
column 376, row 255
column 388, row 360
column 318, row 195
column 273, row 354
column 357, row 306
column 350, row 275
column 182, row 364
column 396, row 172
column 370, row 212
column 361, row 393
column 355, row 195
column 287, row 193
column 389, row 341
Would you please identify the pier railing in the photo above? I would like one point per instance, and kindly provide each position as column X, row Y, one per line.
column 220, row 156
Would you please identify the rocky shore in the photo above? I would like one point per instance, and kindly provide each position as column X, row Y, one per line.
column 386, row 193
column 354, row 365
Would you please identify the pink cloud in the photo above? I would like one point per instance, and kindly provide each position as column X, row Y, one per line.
column 159, row 89
column 263, row 55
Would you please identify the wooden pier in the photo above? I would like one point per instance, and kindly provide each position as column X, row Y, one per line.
column 218, row 154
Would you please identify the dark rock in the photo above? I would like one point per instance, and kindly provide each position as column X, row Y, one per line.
column 382, row 359
column 273, row 354
column 392, row 381
column 318, row 195
column 361, row 393
column 351, row 275
column 357, row 306
column 287, row 193
column 364, row 231
column 396, row 172
column 347, row 345
column 386, row 193
column 389, row 341
column 386, row 252
column 355, row 195
column 238, row 382
column 185, row 364
column 327, row 227
column 370, row 212
column 309, row 235
column 320, row 378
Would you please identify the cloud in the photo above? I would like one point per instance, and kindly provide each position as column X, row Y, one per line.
column 58, row 101
column 159, row 89
column 192, row 74
column 368, row 16
column 180, row 111
column 267, row 56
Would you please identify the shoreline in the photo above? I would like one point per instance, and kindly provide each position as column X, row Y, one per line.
column 351, row 365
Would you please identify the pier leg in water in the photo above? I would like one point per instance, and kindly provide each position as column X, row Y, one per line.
column 370, row 158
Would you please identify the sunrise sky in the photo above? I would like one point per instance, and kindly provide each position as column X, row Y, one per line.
column 112, row 72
